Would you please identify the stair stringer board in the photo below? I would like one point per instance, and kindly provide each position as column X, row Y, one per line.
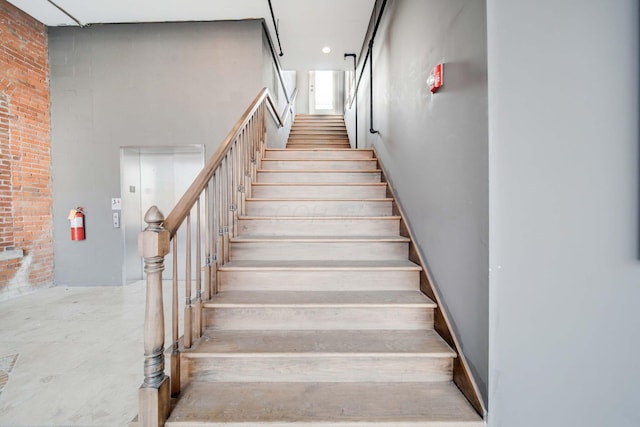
column 462, row 375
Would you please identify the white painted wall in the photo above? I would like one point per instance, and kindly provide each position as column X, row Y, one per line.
column 302, row 101
column 564, row 221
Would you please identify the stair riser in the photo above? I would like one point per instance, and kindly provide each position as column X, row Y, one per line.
column 324, row 130
column 319, row 127
column 351, row 368
column 311, row 135
column 318, row 177
column 306, row 165
column 362, row 251
column 318, row 154
column 322, row 120
column 313, row 318
column 319, row 192
column 319, row 280
column 314, row 118
column 323, row 117
column 319, row 227
column 298, row 145
column 310, row 127
column 314, row 208
column 319, row 138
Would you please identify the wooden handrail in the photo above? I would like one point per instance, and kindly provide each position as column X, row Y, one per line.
column 186, row 202
column 224, row 184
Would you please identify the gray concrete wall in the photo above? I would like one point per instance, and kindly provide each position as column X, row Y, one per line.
column 135, row 85
column 435, row 149
column 564, row 185
column 277, row 137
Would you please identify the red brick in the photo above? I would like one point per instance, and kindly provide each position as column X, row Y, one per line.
column 25, row 182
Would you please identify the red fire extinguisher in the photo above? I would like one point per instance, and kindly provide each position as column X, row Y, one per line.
column 76, row 223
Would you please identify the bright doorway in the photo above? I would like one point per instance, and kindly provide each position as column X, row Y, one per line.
column 326, row 92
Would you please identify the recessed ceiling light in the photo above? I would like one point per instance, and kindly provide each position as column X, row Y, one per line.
column 326, row 49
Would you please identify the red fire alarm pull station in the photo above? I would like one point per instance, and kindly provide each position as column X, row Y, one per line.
column 436, row 78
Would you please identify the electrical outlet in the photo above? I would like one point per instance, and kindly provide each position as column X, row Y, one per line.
column 116, row 219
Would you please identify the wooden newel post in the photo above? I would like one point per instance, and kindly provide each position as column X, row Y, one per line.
column 153, row 395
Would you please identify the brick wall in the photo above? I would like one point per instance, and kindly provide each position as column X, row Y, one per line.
column 26, row 241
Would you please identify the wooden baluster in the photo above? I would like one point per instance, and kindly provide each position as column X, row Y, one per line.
column 175, row 351
column 197, row 326
column 246, row 169
column 217, row 229
column 188, row 309
column 264, row 138
column 153, row 395
column 207, row 242
column 234, row 188
column 241, row 182
column 237, row 190
column 263, row 132
column 222, row 207
column 256, row 141
column 256, row 148
column 224, row 214
column 247, row 161
column 229, row 211
column 219, row 220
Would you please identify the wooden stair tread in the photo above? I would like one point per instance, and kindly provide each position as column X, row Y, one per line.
column 308, row 127
column 318, row 139
column 320, row 265
column 316, row 341
column 319, row 218
column 319, row 144
column 334, row 144
column 320, row 343
column 319, row 149
column 319, row 184
column 323, row 404
column 282, row 199
column 298, row 239
column 318, row 160
column 319, row 130
column 320, row 171
column 304, row 120
column 320, row 299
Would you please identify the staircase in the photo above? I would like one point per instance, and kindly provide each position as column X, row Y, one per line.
column 319, row 319
column 326, row 131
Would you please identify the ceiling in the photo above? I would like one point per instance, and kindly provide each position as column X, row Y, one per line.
column 305, row 26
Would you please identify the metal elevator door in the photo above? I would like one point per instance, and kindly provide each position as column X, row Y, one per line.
column 153, row 176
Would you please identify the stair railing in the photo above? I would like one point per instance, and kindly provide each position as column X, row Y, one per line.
column 215, row 198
